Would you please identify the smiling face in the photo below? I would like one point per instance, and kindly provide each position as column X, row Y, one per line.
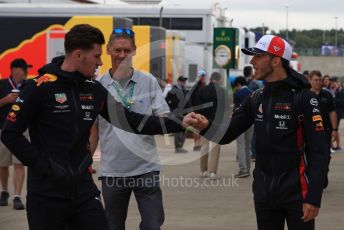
column 121, row 51
column 262, row 65
column 90, row 60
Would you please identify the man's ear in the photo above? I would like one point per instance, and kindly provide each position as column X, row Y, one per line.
column 77, row 54
column 276, row 61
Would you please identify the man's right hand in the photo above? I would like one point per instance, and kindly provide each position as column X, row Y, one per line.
column 10, row 98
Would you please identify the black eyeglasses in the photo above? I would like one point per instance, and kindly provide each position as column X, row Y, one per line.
column 118, row 31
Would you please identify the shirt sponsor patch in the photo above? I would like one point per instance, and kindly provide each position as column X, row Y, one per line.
column 282, row 107
column 87, row 116
column 45, row 78
column 259, row 115
column 12, row 117
column 86, row 97
column 15, row 107
column 19, row 100
column 315, row 110
column 87, row 107
column 319, row 126
column 62, row 111
column 61, row 106
column 314, row 101
column 281, row 125
column 60, row 97
column 317, row 118
column 282, row 117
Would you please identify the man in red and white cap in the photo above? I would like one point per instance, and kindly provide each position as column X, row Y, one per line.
column 291, row 149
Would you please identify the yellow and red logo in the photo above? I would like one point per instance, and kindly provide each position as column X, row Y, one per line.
column 45, row 78
column 317, row 118
column 319, row 126
column 12, row 117
column 15, row 107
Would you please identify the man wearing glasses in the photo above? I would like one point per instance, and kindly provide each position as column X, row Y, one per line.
column 129, row 162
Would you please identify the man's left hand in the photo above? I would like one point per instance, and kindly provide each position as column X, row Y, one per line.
column 334, row 133
column 309, row 212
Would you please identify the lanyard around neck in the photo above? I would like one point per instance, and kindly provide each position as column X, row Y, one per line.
column 127, row 101
column 13, row 85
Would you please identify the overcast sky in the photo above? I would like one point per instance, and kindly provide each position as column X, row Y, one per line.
column 303, row 14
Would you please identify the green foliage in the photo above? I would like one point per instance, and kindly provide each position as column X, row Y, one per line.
column 306, row 39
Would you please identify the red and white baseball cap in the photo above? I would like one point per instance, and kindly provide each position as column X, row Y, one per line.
column 271, row 44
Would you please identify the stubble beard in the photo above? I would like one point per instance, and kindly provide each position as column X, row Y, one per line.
column 265, row 75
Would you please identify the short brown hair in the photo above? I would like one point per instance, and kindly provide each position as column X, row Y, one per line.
column 315, row 73
column 113, row 37
column 83, row 36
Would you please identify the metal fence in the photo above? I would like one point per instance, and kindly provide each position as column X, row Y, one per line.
column 323, row 51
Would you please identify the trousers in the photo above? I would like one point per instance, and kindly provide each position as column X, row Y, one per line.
column 146, row 188
column 45, row 213
column 273, row 217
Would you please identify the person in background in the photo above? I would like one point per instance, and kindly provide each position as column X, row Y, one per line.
column 326, row 84
column 177, row 101
column 128, row 157
column 327, row 109
column 338, row 92
column 165, row 86
column 215, row 96
column 9, row 92
column 252, row 83
column 244, row 140
column 199, row 84
column 306, row 74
